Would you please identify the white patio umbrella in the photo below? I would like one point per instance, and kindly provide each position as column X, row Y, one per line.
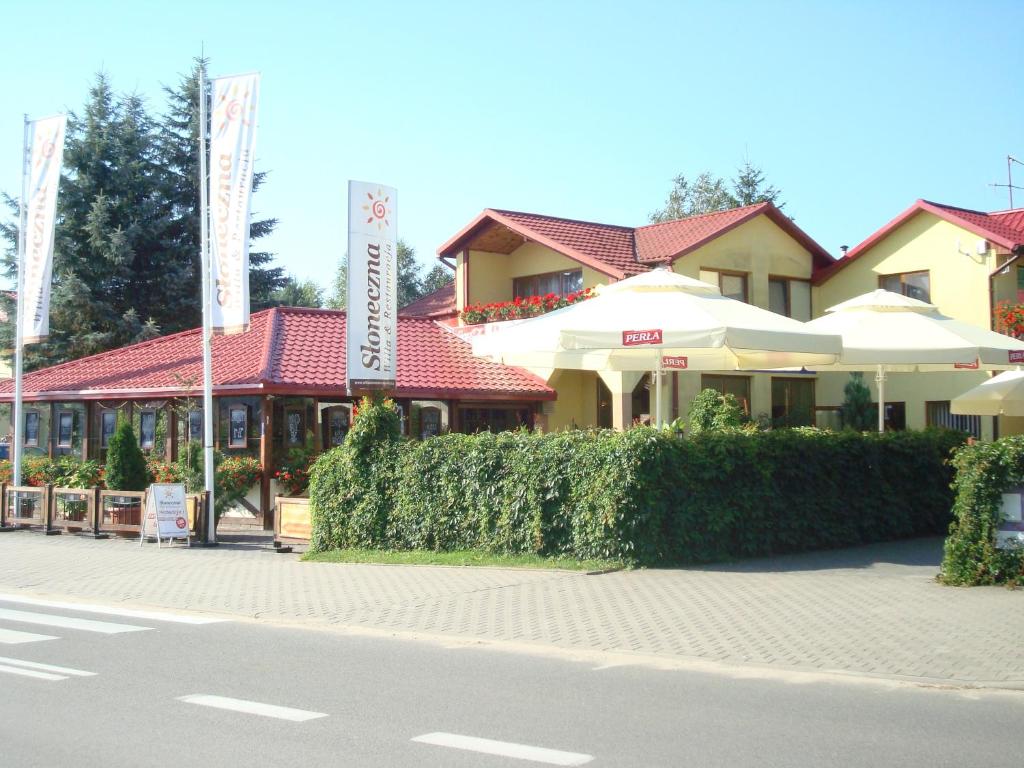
column 1002, row 395
column 888, row 332
column 659, row 319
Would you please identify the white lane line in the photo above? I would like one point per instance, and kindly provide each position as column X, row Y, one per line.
column 505, row 749
column 69, row 622
column 252, row 707
column 14, row 637
column 30, row 673
column 45, row 667
column 106, row 610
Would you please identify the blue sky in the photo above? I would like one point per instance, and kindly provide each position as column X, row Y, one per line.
column 578, row 109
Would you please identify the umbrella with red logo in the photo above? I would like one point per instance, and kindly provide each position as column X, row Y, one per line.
column 657, row 320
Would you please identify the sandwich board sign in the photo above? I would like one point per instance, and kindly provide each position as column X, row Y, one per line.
column 166, row 513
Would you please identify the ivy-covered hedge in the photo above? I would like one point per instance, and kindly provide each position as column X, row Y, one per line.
column 984, row 471
column 643, row 495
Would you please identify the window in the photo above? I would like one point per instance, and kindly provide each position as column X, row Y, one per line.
column 604, row 405
column 916, row 285
column 65, row 428
column 474, row 420
column 737, row 386
column 550, row 282
column 195, row 425
column 790, row 297
column 108, row 425
column 294, row 426
column 937, row 414
column 733, row 285
column 792, row 402
column 430, row 422
column 238, row 426
column 31, row 429
column 147, row 430
column 895, row 415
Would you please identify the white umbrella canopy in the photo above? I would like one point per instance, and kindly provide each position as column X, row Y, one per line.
column 905, row 334
column 659, row 319
column 1002, row 395
column 633, row 324
column 888, row 332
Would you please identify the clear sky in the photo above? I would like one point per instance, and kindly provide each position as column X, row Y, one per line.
column 578, row 109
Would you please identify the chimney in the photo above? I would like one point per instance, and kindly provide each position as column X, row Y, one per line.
column 844, row 249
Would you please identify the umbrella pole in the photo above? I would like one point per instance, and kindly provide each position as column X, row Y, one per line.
column 657, row 394
column 880, row 378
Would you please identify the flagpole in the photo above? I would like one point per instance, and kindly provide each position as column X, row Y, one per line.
column 204, row 234
column 19, row 346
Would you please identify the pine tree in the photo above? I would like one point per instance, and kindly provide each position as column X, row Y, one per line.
column 126, row 464
column 710, row 194
column 857, row 411
column 298, row 294
column 749, row 187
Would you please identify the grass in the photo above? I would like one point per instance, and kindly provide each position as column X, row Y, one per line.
column 461, row 558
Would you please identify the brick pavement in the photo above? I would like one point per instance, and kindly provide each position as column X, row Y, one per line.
column 869, row 611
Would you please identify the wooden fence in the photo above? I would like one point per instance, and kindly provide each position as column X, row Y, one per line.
column 98, row 511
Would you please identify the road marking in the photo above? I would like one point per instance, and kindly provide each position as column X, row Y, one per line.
column 69, row 622
column 106, row 610
column 14, row 637
column 252, row 707
column 505, row 749
column 45, row 667
column 30, row 673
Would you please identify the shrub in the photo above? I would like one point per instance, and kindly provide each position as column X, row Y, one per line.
column 711, row 410
column 644, row 495
column 126, row 464
column 351, row 487
column 984, row 471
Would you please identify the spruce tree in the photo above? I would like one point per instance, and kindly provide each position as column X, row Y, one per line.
column 126, row 464
column 857, row 411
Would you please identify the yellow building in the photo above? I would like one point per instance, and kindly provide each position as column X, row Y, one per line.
column 753, row 253
column 965, row 262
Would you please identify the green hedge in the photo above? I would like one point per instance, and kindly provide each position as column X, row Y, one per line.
column 983, row 472
column 644, row 496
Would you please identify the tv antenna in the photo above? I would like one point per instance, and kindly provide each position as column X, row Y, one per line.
column 1010, row 160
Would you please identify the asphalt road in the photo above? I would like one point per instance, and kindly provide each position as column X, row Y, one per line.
column 362, row 700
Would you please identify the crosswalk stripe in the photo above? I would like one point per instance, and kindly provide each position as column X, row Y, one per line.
column 45, row 667
column 251, row 707
column 14, row 637
column 106, row 610
column 30, row 673
column 504, row 749
column 69, row 622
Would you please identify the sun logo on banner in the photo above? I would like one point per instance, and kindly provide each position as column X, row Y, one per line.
column 378, row 209
column 46, row 149
column 230, row 107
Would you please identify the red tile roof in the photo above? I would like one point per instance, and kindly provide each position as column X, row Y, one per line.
column 1004, row 229
column 623, row 251
column 287, row 350
column 438, row 304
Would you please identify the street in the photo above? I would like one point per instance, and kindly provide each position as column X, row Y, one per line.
column 117, row 686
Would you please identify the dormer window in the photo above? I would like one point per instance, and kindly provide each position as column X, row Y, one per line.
column 561, row 283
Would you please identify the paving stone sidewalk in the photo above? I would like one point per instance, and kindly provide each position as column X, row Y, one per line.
column 869, row 611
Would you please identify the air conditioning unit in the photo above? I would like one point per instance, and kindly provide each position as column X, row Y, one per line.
column 981, row 247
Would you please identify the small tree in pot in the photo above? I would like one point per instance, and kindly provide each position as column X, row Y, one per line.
column 126, row 464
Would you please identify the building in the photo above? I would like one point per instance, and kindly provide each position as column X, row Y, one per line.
column 279, row 387
column 753, row 253
column 965, row 262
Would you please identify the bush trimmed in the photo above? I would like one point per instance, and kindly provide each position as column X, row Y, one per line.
column 643, row 495
column 984, row 471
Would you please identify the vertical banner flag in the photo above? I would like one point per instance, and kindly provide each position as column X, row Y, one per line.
column 372, row 286
column 232, row 151
column 46, row 150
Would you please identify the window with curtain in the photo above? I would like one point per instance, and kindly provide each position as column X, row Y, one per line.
column 937, row 413
column 792, row 402
column 790, row 297
column 916, row 285
column 733, row 285
column 561, row 283
column 737, row 386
